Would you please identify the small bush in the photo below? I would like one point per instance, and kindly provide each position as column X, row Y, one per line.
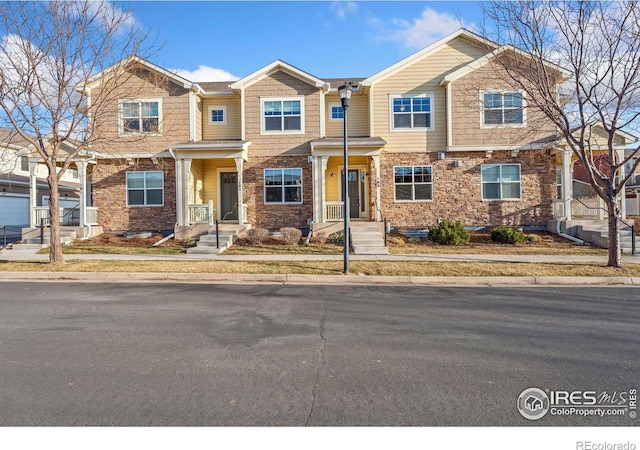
column 507, row 235
column 448, row 233
column 321, row 237
column 257, row 235
column 291, row 235
column 337, row 238
column 414, row 240
column 533, row 238
column 396, row 240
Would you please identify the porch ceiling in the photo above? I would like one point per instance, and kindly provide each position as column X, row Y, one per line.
column 213, row 149
column 361, row 146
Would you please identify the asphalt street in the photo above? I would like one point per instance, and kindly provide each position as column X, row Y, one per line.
column 146, row 354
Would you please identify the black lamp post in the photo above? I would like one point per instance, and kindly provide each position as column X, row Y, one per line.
column 345, row 94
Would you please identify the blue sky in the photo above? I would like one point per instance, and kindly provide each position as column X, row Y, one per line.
column 215, row 40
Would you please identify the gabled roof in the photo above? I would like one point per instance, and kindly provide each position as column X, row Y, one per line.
column 11, row 139
column 335, row 83
column 484, row 60
column 133, row 59
column 215, row 86
column 276, row 66
column 426, row 52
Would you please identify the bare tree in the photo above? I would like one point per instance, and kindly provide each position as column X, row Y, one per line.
column 49, row 51
column 598, row 45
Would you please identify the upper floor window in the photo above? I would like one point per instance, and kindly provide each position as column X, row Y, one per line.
column 502, row 108
column 500, row 181
column 413, row 183
column 283, row 185
column 140, row 116
column 145, row 188
column 337, row 113
column 218, row 114
column 411, row 112
column 282, row 115
column 24, row 163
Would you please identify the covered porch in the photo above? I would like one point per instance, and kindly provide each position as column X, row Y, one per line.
column 209, row 183
column 363, row 179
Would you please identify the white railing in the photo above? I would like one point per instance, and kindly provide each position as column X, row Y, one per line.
column 92, row 215
column 202, row 213
column 68, row 216
column 245, row 209
column 585, row 208
column 333, row 211
column 558, row 208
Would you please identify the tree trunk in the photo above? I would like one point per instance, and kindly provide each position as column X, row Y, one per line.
column 55, row 246
column 615, row 254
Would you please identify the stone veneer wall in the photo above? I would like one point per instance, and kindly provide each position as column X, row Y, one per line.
column 110, row 196
column 276, row 216
column 457, row 191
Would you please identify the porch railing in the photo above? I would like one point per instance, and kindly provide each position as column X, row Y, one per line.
column 333, row 211
column 68, row 216
column 585, row 208
column 92, row 215
column 202, row 213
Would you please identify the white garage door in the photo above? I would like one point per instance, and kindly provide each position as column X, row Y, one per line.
column 14, row 210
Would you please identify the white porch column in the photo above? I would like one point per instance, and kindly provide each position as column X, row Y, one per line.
column 33, row 192
column 376, row 166
column 186, row 168
column 179, row 200
column 567, row 182
column 623, row 194
column 82, row 175
column 320, row 190
column 239, row 165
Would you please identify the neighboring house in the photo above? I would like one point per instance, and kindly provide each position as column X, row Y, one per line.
column 436, row 135
column 19, row 170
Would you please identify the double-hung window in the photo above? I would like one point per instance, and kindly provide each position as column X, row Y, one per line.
column 140, row 116
column 500, row 181
column 282, row 115
column 411, row 112
column 413, row 183
column 283, row 185
column 502, row 108
column 145, row 188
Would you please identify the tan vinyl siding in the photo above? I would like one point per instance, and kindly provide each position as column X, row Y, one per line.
column 198, row 119
column 466, row 113
column 141, row 85
column 232, row 129
column 422, row 77
column 281, row 84
column 358, row 116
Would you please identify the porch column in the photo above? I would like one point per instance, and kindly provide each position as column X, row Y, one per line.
column 376, row 166
column 623, row 193
column 179, row 211
column 184, row 191
column 239, row 166
column 33, row 192
column 567, row 182
column 82, row 174
column 320, row 190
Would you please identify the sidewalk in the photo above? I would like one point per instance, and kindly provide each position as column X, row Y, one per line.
column 352, row 279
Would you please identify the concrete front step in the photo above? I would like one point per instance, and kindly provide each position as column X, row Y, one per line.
column 207, row 242
column 367, row 240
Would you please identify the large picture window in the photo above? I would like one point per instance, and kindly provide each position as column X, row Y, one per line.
column 501, row 181
column 145, row 188
column 283, row 185
column 502, row 108
column 140, row 116
column 413, row 183
column 411, row 112
column 282, row 116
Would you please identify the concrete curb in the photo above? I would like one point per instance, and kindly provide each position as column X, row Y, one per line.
column 366, row 280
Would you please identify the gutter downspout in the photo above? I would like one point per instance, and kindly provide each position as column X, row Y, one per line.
column 173, row 155
column 565, row 235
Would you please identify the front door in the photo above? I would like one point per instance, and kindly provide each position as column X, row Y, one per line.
column 357, row 193
column 228, row 196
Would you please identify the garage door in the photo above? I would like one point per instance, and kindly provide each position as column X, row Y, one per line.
column 14, row 210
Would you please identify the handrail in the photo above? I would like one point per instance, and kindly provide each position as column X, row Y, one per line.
column 4, row 236
column 633, row 234
column 230, row 212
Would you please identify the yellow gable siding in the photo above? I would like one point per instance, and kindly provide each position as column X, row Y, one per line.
column 334, row 165
column 423, row 76
column 232, row 129
column 358, row 116
column 196, row 182
column 211, row 183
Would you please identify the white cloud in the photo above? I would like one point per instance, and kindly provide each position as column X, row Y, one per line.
column 206, row 73
column 429, row 27
column 341, row 8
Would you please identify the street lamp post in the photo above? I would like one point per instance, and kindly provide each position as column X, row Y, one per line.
column 345, row 94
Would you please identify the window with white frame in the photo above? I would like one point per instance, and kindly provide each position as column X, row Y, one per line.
column 411, row 112
column 500, row 181
column 283, row 185
column 140, row 116
column 337, row 113
column 502, row 108
column 282, row 115
column 218, row 114
column 145, row 188
column 24, row 163
column 413, row 183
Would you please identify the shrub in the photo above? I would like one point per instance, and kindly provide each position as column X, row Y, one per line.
column 396, row 240
column 448, row 233
column 291, row 235
column 257, row 235
column 337, row 238
column 507, row 235
column 414, row 240
column 321, row 237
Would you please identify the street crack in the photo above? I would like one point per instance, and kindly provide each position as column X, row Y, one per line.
column 321, row 362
